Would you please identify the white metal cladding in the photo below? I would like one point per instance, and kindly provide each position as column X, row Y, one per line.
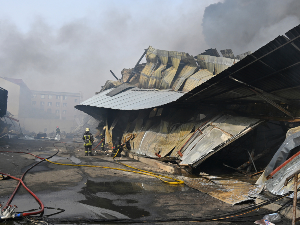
column 219, row 132
column 276, row 184
column 133, row 99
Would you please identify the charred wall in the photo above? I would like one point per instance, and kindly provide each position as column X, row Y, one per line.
column 3, row 101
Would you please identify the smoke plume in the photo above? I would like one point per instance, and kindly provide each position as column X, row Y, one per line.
column 77, row 55
column 248, row 24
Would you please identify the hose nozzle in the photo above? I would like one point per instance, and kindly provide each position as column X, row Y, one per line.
column 7, row 212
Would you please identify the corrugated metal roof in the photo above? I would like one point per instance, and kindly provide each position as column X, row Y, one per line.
column 213, row 136
column 273, row 69
column 284, row 164
column 196, row 79
column 276, row 184
column 133, row 99
column 119, row 89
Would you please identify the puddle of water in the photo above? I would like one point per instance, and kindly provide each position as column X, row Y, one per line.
column 118, row 188
column 96, row 192
column 126, row 188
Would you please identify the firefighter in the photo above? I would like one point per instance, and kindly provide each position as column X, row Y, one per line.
column 57, row 136
column 118, row 148
column 88, row 142
column 103, row 139
column 57, row 131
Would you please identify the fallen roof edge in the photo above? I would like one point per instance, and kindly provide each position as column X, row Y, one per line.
column 133, row 99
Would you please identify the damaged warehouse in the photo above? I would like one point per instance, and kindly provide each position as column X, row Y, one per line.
column 244, row 89
column 146, row 112
column 227, row 126
column 189, row 109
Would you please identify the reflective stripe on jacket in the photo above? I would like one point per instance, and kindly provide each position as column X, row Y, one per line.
column 88, row 139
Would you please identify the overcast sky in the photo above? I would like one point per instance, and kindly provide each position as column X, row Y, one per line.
column 70, row 45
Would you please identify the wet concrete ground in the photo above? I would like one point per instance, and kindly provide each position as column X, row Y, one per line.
column 77, row 195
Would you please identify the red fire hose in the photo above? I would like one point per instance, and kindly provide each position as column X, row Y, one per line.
column 38, row 200
column 6, row 208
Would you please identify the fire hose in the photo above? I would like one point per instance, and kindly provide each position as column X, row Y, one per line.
column 98, row 144
column 8, row 211
column 242, row 212
column 136, row 170
column 228, row 217
column 139, row 171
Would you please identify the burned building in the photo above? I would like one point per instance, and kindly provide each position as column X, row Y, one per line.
column 3, row 102
column 190, row 108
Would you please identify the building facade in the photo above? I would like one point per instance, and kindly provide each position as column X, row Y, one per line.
column 51, row 109
column 19, row 96
column 56, row 105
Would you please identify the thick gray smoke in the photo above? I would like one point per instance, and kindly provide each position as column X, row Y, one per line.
column 77, row 56
column 248, row 24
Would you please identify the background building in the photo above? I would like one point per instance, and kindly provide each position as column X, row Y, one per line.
column 19, row 97
column 53, row 109
column 58, row 105
column 41, row 111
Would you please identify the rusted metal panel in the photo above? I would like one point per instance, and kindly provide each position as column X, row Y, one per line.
column 151, row 57
column 156, row 76
column 184, row 135
column 161, row 139
column 196, row 79
column 215, row 135
column 276, row 184
column 169, row 74
column 214, row 64
column 146, row 74
column 157, row 140
column 282, row 165
column 186, row 72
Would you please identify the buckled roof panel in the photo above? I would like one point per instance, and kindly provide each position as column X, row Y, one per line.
column 273, row 69
column 133, row 99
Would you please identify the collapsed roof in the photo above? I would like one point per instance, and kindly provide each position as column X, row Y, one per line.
column 271, row 74
column 147, row 94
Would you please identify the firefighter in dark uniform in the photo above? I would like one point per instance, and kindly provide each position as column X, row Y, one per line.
column 102, row 139
column 57, row 131
column 118, row 148
column 88, row 142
